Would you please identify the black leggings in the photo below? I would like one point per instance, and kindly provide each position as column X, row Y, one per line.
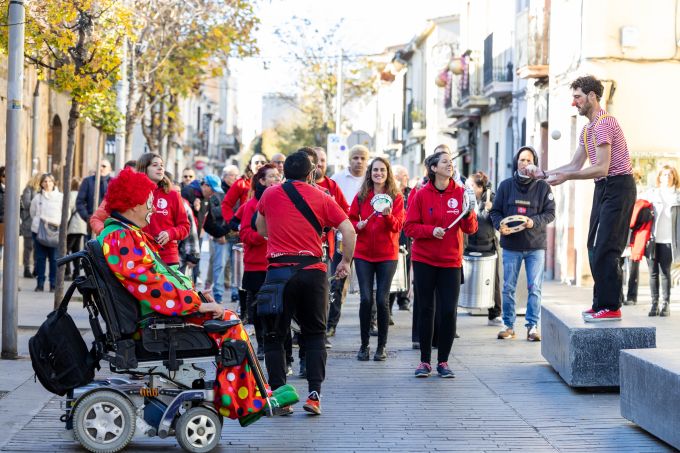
column 663, row 257
column 381, row 273
column 445, row 282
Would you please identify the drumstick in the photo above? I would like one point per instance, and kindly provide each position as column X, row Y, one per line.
column 455, row 221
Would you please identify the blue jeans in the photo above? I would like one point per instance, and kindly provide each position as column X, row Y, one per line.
column 218, row 260
column 43, row 253
column 534, row 262
column 381, row 273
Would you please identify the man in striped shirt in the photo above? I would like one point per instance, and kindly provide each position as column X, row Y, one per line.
column 603, row 144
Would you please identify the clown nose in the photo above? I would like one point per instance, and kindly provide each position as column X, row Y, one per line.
column 573, row 103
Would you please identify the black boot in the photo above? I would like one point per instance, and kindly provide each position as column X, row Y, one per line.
column 380, row 354
column 655, row 308
column 27, row 272
column 666, row 310
column 364, row 353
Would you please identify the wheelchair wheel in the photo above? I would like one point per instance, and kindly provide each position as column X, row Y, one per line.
column 104, row 422
column 198, row 430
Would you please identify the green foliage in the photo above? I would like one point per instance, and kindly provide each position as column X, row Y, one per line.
column 315, row 54
column 177, row 45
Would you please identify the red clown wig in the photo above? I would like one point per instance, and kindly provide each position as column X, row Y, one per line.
column 127, row 190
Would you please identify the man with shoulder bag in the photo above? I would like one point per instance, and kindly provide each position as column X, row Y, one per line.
column 292, row 217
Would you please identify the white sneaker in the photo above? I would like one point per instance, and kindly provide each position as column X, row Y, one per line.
column 496, row 322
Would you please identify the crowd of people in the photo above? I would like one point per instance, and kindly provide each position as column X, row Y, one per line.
column 301, row 233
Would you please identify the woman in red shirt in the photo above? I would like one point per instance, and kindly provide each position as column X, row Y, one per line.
column 437, row 257
column 169, row 223
column 237, row 195
column 255, row 247
column 377, row 246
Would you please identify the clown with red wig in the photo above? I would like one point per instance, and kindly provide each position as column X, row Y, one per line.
column 132, row 256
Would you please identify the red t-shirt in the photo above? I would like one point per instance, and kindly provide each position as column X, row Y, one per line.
column 289, row 233
column 169, row 215
column 379, row 239
column 254, row 245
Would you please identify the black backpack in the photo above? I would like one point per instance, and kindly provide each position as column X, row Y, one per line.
column 59, row 354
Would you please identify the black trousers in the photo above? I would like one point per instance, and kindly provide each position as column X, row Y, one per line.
column 633, row 280
column 663, row 257
column 445, row 282
column 381, row 273
column 338, row 291
column 306, row 298
column 74, row 243
column 497, row 309
column 252, row 282
column 613, row 202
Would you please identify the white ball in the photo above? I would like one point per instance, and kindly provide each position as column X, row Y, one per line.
column 556, row 134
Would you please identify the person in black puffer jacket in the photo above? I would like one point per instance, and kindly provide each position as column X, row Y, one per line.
column 521, row 195
column 484, row 241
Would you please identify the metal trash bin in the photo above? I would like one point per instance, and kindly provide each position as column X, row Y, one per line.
column 478, row 270
column 237, row 269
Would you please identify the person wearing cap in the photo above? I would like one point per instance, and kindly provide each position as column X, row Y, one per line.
column 533, row 198
column 215, row 226
column 133, row 256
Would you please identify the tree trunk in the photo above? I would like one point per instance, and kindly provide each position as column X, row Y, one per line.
column 162, row 150
column 131, row 111
column 73, row 116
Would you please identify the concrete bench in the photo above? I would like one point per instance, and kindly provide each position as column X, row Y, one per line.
column 587, row 354
column 650, row 391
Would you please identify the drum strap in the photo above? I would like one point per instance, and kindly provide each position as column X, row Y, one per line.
column 302, row 206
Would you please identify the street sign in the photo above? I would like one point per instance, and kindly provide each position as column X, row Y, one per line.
column 336, row 149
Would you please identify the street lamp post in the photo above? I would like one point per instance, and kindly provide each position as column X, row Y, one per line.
column 15, row 83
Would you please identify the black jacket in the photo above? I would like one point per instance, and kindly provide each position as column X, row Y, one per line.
column 484, row 240
column 214, row 222
column 530, row 197
column 85, row 199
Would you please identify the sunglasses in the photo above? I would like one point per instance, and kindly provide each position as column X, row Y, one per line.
column 187, row 177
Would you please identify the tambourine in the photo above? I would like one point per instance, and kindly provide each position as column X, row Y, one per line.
column 380, row 202
column 515, row 218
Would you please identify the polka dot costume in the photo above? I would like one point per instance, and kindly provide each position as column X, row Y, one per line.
column 132, row 257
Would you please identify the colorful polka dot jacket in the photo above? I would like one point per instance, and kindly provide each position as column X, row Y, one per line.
column 132, row 256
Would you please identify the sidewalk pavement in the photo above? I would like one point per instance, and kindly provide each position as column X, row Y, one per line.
column 505, row 396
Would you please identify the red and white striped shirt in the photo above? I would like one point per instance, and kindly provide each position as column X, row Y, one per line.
column 604, row 129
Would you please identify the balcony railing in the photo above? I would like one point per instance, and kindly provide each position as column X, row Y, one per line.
column 498, row 75
column 471, row 93
column 533, row 43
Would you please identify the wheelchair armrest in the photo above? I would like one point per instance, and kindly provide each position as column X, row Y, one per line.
column 220, row 326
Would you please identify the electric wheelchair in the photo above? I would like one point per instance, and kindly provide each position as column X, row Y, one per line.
column 162, row 390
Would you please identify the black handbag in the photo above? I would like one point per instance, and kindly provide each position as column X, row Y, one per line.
column 59, row 354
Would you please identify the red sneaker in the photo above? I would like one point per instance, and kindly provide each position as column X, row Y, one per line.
column 603, row 315
column 588, row 312
column 313, row 404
